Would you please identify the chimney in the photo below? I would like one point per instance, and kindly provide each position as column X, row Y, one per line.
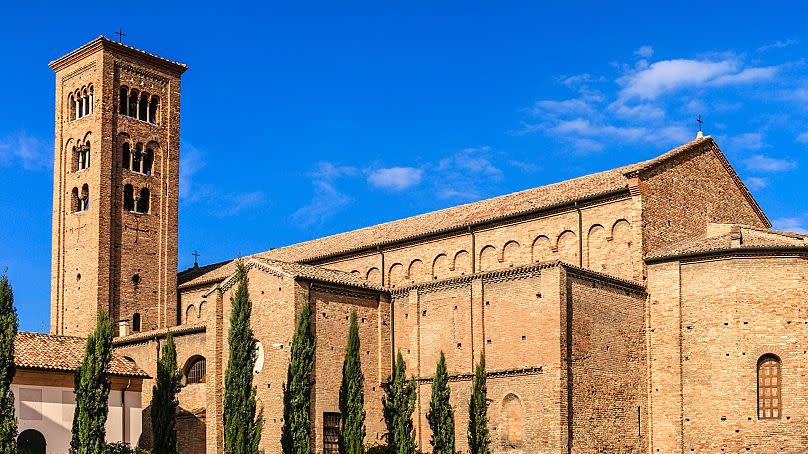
column 123, row 328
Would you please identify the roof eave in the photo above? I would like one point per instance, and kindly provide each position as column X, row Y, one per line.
column 103, row 43
column 728, row 251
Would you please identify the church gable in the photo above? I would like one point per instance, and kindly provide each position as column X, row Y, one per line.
column 683, row 192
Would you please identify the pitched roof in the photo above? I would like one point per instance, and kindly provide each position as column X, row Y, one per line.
column 722, row 237
column 310, row 272
column 104, row 42
column 63, row 353
column 458, row 217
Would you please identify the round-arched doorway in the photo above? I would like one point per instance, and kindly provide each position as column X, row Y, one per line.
column 31, row 442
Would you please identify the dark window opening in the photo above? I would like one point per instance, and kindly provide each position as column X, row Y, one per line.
column 128, row 198
column 123, row 100
column 148, row 160
column 142, row 202
column 143, row 109
column 126, row 158
column 133, row 98
column 137, row 158
column 331, row 433
column 136, row 322
column 155, row 102
column 84, row 198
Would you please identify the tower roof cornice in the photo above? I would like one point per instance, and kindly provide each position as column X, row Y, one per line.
column 104, row 43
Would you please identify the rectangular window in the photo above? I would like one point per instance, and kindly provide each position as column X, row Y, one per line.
column 331, row 433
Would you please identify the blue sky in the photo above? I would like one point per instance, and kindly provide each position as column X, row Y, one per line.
column 302, row 119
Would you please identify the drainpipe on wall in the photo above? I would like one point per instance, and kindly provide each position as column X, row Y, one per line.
column 580, row 236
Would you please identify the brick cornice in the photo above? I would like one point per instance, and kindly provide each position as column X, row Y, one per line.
column 728, row 253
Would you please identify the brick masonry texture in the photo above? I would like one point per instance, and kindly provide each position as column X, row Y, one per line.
column 619, row 312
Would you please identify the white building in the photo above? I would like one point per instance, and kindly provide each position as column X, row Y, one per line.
column 43, row 393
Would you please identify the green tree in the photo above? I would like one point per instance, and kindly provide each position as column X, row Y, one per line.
column 92, row 391
column 164, row 400
column 352, row 396
column 441, row 415
column 296, row 435
column 479, row 438
column 242, row 426
column 8, row 331
column 399, row 404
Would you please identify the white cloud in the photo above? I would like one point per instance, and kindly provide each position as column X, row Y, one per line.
column 779, row 44
column 666, row 76
column 790, row 224
column 747, row 141
column 574, row 106
column 644, row 51
column 191, row 161
column 763, row 163
column 756, row 183
column 327, row 200
column 466, row 174
column 239, row 202
column 30, row 152
column 803, row 137
column 395, row 178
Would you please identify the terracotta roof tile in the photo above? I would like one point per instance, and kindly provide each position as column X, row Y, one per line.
column 452, row 218
column 63, row 353
column 720, row 237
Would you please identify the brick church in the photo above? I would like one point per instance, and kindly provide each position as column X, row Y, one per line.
column 644, row 309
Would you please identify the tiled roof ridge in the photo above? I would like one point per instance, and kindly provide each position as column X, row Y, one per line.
column 101, row 40
column 160, row 332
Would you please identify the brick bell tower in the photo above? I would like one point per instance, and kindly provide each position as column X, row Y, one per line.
column 115, row 188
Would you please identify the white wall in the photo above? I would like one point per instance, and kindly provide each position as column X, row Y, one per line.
column 52, row 415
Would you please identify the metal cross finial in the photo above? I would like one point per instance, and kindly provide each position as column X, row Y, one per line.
column 699, row 121
column 120, row 34
column 196, row 256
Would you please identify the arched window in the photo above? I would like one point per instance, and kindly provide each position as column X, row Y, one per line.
column 136, row 322
column 75, row 203
column 84, row 198
column 71, row 104
column 769, row 383
column 137, row 158
column 123, row 101
column 190, row 313
column 133, row 100
column 126, row 159
column 90, row 99
column 79, row 104
column 128, row 198
column 201, row 309
column 512, row 422
column 83, row 156
column 148, row 160
column 143, row 202
column 195, row 371
column 143, row 110
column 153, row 107
column 31, row 441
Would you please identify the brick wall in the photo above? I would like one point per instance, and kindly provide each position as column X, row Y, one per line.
column 728, row 313
column 680, row 197
column 609, row 403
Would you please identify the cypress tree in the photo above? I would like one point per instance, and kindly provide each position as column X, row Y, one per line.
column 479, row 439
column 164, row 400
column 242, row 427
column 441, row 414
column 92, row 391
column 352, row 396
column 296, row 435
column 8, row 331
column 399, row 404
